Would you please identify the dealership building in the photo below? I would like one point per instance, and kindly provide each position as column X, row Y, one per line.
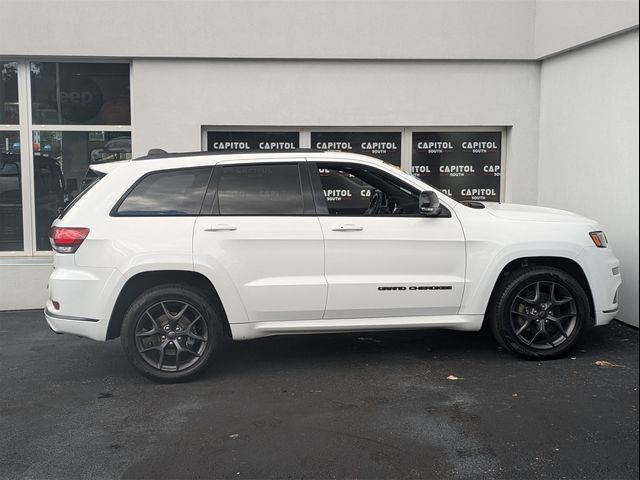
column 521, row 101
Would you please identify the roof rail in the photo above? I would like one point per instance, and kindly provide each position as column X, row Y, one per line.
column 155, row 153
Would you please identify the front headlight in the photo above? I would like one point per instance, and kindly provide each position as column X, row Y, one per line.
column 599, row 238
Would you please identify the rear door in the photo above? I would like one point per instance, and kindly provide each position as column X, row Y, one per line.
column 259, row 226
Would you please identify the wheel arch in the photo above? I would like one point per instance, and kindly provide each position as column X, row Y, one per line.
column 142, row 281
column 567, row 265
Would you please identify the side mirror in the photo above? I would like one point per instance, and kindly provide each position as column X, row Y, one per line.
column 429, row 204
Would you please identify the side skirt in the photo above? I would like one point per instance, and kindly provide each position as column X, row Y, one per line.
column 247, row 331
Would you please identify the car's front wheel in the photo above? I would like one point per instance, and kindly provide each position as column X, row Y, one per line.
column 539, row 312
column 170, row 333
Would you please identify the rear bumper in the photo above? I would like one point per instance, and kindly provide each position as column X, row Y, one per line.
column 84, row 327
column 84, row 297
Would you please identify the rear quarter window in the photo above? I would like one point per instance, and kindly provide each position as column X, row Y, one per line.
column 167, row 193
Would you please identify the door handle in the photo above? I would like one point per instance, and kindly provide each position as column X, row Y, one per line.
column 220, row 227
column 347, row 227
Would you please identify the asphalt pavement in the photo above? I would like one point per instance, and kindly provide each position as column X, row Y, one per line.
column 418, row 404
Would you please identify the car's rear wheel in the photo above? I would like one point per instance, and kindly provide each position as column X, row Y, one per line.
column 539, row 312
column 170, row 333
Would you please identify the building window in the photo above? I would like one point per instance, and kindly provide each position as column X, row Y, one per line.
column 80, row 115
column 464, row 165
column 9, row 93
column 386, row 146
column 61, row 161
column 11, row 236
column 80, row 93
column 239, row 141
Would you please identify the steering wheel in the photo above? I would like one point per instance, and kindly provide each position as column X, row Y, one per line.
column 377, row 204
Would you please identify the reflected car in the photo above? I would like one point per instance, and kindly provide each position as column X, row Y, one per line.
column 118, row 148
column 50, row 197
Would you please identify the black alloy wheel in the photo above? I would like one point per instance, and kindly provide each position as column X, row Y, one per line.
column 539, row 312
column 171, row 332
column 543, row 315
column 171, row 335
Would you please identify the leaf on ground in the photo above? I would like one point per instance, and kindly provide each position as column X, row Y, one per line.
column 605, row 364
column 369, row 339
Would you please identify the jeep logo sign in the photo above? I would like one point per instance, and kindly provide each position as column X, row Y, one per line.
column 80, row 99
column 464, row 165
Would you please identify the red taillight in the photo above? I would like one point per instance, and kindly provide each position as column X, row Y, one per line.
column 67, row 240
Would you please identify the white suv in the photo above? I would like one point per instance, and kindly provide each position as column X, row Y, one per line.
column 173, row 252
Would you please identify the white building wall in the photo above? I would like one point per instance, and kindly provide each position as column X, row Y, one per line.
column 363, row 29
column 270, row 28
column 23, row 282
column 173, row 99
column 589, row 146
column 564, row 24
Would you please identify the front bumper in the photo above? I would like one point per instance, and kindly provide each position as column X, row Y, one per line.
column 602, row 269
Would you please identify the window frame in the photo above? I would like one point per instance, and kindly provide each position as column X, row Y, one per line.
column 114, row 210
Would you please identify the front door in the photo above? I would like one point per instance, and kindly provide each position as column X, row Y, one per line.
column 382, row 258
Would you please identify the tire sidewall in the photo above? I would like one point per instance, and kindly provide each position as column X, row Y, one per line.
column 167, row 293
column 510, row 288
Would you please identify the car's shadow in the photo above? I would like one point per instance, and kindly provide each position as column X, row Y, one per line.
column 299, row 351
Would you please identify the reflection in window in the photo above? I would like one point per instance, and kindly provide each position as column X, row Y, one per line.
column 355, row 191
column 10, row 193
column 260, row 190
column 345, row 193
column 80, row 93
column 8, row 93
column 61, row 169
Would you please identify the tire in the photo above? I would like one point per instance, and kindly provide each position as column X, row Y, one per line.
column 171, row 332
column 539, row 312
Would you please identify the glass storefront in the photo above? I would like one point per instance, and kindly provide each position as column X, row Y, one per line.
column 80, row 93
column 61, row 170
column 80, row 115
column 9, row 93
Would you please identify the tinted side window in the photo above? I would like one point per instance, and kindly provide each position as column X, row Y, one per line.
column 174, row 192
column 260, row 190
column 351, row 190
